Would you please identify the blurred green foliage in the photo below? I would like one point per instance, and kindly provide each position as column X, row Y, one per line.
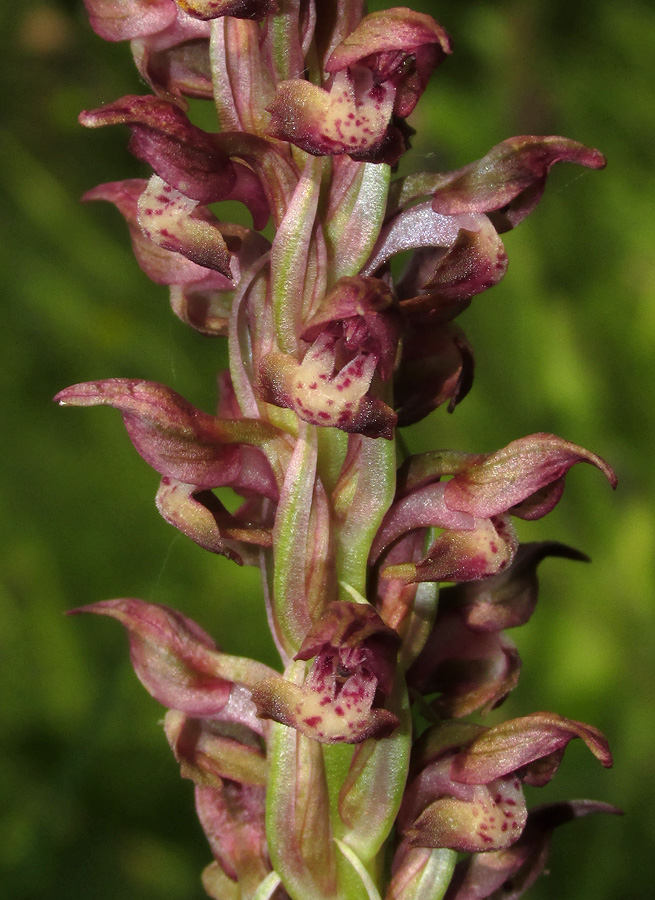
column 91, row 803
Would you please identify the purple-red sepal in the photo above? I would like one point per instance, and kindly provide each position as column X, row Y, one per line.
column 187, row 158
column 194, row 452
column 509, row 181
column 465, row 790
column 524, row 479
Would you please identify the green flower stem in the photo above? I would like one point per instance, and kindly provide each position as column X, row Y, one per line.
column 284, row 40
column 291, row 536
column 353, row 228
column 432, row 879
column 297, row 821
column 423, row 614
column 289, row 255
column 362, row 497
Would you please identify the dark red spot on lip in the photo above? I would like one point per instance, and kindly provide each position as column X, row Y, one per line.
column 339, row 711
column 312, row 721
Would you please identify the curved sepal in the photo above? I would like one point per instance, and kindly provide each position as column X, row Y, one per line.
column 532, row 744
column 509, row 181
column 471, row 670
column 474, row 262
column 189, row 159
column 175, row 660
column 508, row 599
column 526, row 478
column 424, row 507
column 436, row 366
column 182, row 154
column 232, row 816
column 175, row 62
column 122, row 20
column 175, row 438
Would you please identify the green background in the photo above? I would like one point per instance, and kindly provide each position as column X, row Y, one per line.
column 91, row 803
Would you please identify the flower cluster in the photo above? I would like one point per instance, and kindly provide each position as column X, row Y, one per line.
column 307, row 778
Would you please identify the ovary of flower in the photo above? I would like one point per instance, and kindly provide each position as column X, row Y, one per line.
column 326, row 399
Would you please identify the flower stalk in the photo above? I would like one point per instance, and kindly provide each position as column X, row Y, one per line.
column 355, row 771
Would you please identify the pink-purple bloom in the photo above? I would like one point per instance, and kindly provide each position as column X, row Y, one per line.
column 359, row 749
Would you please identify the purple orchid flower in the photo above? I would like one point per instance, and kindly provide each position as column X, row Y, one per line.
column 309, row 779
